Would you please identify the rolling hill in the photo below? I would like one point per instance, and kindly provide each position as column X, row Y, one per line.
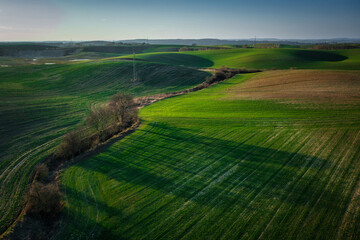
column 41, row 103
column 268, row 145
column 220, row 164
column 284, row 58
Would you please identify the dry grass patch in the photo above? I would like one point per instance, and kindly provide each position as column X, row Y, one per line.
column 302, row 85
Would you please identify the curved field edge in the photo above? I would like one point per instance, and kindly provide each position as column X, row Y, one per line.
column 310, row 86
column 206, row 166
column 39, row 104
column 260, row 58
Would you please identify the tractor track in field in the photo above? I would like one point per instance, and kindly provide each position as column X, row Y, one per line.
column 8, row 174
column 141, row 103
column 256, row 192
column 243, row 179
column 96, row 80
column 329, row 183
column 198, row 193
column 315, row 152
column 294, row 183
column 183, row 183
column 315, row 197
column 352, row 210
column 353, row 206
column 289, row 166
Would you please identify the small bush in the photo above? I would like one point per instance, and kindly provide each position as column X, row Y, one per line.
column 336, row 46
column 123, row 107
column 71, row 145
column 225, row 73
column 109, row 132
column 41, row 172
column 99, row 118
column 44, row 200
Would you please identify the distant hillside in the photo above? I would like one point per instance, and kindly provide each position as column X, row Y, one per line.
column 213, row 41
column 187, row 42
column 35, row 50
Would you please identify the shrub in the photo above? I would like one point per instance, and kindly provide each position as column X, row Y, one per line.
column 99, row 119
column 336, row 46
column 220, row 74
column 108, row 120
column 224, row 73
column 124, row 108
column 41, row 172
column 44, row 200
column 71, row 145
column 184, row 49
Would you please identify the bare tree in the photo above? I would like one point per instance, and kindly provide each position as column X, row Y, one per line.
column 123, row 107
column 99, row 119
column 71, row 145
column 41, row 172
column 44, row 200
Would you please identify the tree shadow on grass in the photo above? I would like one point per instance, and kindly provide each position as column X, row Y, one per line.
column 77, row 225
column 210, row 172
column 306, row 55
column 221, row 163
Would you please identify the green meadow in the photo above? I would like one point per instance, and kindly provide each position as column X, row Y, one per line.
column 261, row 58
column 205, row 165
column 209, row 166
column 41, row 103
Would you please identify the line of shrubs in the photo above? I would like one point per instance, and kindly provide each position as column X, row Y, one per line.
column 219, row 75
column 224, row 73
column 101, row 124
column 44, row 197
column 43, row 208
column 43, row 201
column 336, row 46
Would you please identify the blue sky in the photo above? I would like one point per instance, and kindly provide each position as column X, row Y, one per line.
column 37, row 20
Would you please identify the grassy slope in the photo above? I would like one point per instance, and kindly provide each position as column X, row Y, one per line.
column 262, row 58
column 38, row 104
column 176, row 59
column 129, row 49
column 205, row 165
column 91, row 53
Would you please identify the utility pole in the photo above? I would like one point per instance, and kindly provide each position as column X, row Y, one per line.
column 255, row 42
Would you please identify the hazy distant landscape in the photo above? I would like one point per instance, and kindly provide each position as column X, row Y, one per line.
column 179, row 120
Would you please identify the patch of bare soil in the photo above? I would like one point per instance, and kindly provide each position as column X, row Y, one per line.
column 340, row 87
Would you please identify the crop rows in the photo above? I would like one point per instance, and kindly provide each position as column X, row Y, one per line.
column 192, row 172
column 40, row 104
column 260, row 58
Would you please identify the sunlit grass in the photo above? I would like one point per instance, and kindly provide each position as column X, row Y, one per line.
column 204, row 165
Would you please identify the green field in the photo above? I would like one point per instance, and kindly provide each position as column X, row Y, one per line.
column 207, row 165
column 41, row 103
column 261, row 58
column 210, row 164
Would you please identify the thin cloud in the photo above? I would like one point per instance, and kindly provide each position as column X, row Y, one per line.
column 6, row 28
